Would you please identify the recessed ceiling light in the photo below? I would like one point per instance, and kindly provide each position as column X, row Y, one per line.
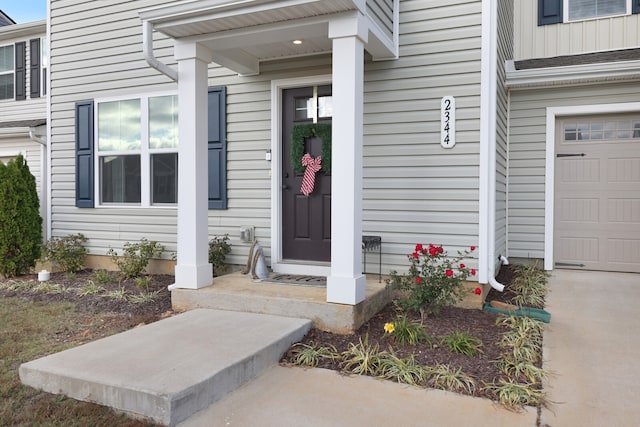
column 297, row 42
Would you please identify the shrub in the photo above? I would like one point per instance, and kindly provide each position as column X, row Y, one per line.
column 136, row 257
column 219, row 248
column 67, row 252
column 20, row 221
column 434, row 280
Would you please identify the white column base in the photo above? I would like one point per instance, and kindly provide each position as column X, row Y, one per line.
column 346, row 290
column 193, row 276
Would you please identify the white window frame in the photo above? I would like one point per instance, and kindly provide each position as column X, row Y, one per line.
column 145, row 153
column 565, row 13
column 12, row 72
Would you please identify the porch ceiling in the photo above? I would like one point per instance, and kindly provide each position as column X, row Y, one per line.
column 242, row 33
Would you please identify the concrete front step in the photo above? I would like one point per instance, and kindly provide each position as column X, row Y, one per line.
column 168, row 370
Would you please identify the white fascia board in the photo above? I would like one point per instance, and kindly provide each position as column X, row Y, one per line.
column 571, row 75
column 16, row 31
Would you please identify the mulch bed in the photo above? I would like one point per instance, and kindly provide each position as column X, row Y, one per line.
column 478, row 323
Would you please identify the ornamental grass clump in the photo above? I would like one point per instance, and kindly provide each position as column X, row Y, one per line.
column 462, row 343
column 530, row 286
column 435, row 280
column 310, row 355
column 405, row 332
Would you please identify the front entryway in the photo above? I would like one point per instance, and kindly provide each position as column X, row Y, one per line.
column 306, row 219
column 597, row 194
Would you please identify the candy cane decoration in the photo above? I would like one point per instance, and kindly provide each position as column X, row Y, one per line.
column 309, row 178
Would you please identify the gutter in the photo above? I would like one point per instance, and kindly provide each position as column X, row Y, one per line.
column 147, row 49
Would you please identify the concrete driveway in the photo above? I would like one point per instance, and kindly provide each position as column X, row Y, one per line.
column 592, row 349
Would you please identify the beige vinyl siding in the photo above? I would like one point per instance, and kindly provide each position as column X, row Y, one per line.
column 26, row 109
column 414, row 190
column 96, row 51
column 527, row 155
column 381, row 11
column 601, row 34
column 505, row 51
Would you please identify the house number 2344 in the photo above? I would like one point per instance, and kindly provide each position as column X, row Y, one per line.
column 448, row 122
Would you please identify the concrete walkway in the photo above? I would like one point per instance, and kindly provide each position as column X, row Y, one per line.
column 592, row 347
column 321, row 398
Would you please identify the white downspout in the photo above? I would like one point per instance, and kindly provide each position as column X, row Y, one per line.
column 488, row 134
column 44, row 211
column 147, row 48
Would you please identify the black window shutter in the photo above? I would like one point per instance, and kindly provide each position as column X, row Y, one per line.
column 550, row 12
column 636, row 6
column 34, row 59
column 21, row 72
column 217, row 148
column 84, row 154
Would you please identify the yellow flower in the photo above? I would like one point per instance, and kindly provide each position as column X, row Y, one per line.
column 389, row 327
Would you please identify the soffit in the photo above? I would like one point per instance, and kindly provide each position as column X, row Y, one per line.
column 258, row 29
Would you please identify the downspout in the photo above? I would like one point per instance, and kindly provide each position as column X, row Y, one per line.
column 44, row 182
column 488, row 132
column 147, row 48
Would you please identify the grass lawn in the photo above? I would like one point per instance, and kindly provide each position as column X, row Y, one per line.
column 32, row 329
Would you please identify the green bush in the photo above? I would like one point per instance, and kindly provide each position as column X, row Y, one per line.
column 136, row 257
column 434, row 280
column 67, row 252
column 219, row 248
column 20, row 221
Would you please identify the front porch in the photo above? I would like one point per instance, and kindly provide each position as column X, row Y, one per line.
column 238, row 292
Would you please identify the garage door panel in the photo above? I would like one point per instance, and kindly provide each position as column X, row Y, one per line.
column 580, row 171
column 597, row 204
column 579, row 210
column 625, row 252
column 622, row 170
column 624, row 211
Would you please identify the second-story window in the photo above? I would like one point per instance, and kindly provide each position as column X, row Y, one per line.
column 585, row 9
column 6, row 72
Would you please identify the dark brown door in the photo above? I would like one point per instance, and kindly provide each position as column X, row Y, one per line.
column 306, row 220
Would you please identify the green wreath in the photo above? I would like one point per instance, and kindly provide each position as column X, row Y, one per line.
column 298, row 135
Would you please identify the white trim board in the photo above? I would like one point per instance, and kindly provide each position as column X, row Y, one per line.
column 277, row 263
column 549, row 178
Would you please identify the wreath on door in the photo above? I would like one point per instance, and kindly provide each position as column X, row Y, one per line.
column 298, row 135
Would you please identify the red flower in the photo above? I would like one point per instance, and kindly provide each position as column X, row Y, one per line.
column 449, row 273
column 440, row 250
column 433, row 251
column 419, row 247
column 473, row 271
column 473, row 248
column 415, row 255
column 462, row 265
column 418, row 280
column 478, row 291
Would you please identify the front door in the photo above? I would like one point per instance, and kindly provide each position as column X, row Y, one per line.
column 306, row 129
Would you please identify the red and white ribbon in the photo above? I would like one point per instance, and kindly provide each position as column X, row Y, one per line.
column 309, row 178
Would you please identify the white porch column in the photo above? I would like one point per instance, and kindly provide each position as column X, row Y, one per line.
column 346, row 284
column 192, row 269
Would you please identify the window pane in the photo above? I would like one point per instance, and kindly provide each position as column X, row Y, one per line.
column 6, row 58
column 582, row 9
column 120, row 179
column 163, row 122
column 6, row 86
column 304, row 108
column 325, row 106
column 119, row 125
column 164, row 178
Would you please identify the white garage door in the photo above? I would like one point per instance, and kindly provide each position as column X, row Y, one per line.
column 597, row 202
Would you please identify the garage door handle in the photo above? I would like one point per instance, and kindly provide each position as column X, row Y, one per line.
column 571, row 155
